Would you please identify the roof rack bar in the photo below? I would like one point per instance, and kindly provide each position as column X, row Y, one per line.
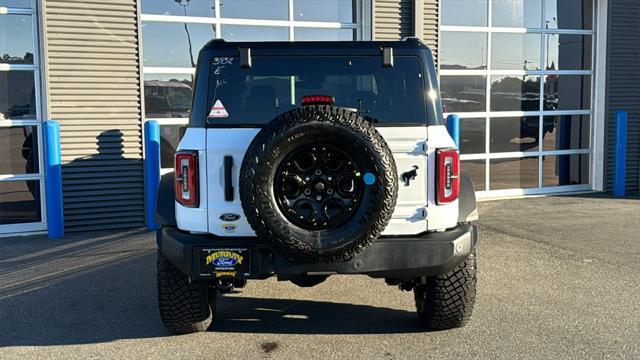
column 387, row 57
column 245, row 57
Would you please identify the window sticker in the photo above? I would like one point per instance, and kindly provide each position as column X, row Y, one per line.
column 218, row 110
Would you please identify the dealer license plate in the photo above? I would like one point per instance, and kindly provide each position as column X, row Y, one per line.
column 225, row 262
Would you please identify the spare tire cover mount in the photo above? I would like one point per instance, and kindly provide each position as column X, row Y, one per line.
column 302, row 184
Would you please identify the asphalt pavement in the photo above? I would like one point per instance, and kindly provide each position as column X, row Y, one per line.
column 558, row 278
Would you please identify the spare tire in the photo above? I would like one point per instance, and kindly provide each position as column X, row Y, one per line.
column 318, row 184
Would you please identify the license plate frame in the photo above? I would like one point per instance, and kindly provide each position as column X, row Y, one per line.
column 225, row 262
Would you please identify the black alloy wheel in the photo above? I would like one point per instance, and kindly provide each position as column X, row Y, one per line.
column 318, row 186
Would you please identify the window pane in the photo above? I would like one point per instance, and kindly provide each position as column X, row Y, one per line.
column 255, row 9
column 19, row 202
column 475, row 169
column 464, row 12
column 308, row 34
column 275, row 84
column 513, row 173
column 565, row 169
column 16, row 39
column 515, row 93
column 463, row 50
column 254, row 33
column 514, row 134
column 167, row 95
column 173, row 44
column 15, row 3
column 463, row 93
column 169, row 139
column 472, row 136
column 515, row 51
column 568, row 52
column 325, row 10
column 181, row 7
column 18, row 150
column 568, row 14
column 516, row 13
column 567, row 92
column 564, row 132
column 17, row 95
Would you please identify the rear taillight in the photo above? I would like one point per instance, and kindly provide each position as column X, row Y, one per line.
column 448, row 171
column 186, row 178
column 317, row 100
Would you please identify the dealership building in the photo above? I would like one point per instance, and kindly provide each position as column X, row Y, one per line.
column 536, row 83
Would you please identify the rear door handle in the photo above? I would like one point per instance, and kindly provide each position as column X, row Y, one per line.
column 228, row 185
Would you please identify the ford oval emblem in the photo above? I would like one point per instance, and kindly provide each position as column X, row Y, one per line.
column 225, row 261
column 229, row 217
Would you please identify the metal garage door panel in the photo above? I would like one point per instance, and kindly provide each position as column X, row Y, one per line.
column 392, row 19
column 623, row 87
column 93, row 86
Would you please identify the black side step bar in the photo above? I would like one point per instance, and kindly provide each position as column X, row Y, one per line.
column 228, row 186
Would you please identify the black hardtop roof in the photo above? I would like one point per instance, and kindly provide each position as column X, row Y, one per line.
column 221, row 48
column 408, row 45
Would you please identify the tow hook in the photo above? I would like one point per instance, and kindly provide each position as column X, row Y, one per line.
column 224, row 285
column 405, row 285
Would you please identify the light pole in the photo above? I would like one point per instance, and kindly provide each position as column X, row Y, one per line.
column 186, row 29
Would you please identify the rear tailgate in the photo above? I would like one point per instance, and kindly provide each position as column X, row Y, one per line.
column 231, row 143
column 406, row 143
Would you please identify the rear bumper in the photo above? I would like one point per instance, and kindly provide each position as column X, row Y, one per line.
column 389, row 257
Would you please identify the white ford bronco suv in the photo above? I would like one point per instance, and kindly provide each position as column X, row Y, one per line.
column 303, row 160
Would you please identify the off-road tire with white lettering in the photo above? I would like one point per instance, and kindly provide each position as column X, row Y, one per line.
column 446, row 301
column 286, row 133
column 185, row 307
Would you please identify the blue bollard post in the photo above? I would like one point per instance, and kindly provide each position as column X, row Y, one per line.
column 53, row 179
column 563, row 131
column 621, row 154
column 151, row 171
column 453, row 126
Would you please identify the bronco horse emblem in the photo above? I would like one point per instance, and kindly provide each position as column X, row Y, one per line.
column 407, row 176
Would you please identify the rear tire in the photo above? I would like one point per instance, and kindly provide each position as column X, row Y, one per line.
column 446, row 301
column 185, row 307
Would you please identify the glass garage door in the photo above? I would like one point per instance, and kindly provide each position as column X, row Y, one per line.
column 173, row 31
column 21, row 180
column 519, row 74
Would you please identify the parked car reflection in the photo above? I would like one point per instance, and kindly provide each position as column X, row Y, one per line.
column 167, row 99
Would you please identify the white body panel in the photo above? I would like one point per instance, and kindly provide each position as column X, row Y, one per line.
column 415, row 213
column 440, row 217
column 408, row 147
column 188, row 218
column 221, row 143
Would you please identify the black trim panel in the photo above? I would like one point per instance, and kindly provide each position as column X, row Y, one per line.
column 426, row 255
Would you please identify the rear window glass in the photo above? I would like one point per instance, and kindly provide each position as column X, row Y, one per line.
column 273, row 85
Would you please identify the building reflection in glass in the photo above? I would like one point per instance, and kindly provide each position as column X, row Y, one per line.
column 19, row 202
column 463, row 93
column 168, row 98
column 515, row 93
column 567, row 92
column 568, row 14
column 558, row 170
column 463, row 50
column 17, row 95
column 476, row 169
column 18, row 150
column 16, row 38
column 511, row 134
column 513, row 173
column 472, row 136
